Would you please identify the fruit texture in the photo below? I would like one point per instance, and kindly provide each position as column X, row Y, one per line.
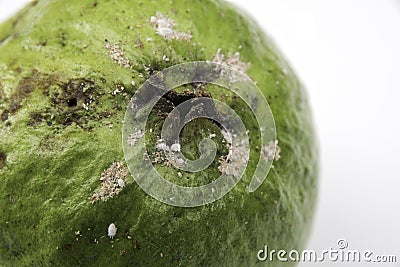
column 68, row 70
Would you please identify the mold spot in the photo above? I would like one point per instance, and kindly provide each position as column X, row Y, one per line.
column 4, row 115
column 138, row 43
column 164, row 26
column 69, row 103
column 24, row 88
column 3, row 158
column 72, row 102
column 117, row 54
column 112, row 183
column 233, row 61
column 35, row 118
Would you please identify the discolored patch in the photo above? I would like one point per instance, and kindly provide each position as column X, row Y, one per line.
column 3, row 158
column 112, row 182
column 117, row 54
column 74, row 102
column 24, row 88
column 69, row 104
column 164, row 26
column 75, row 93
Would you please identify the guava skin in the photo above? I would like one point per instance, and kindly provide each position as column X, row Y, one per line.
column 54, row 60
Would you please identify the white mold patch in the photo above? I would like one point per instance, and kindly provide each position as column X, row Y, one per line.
column 165, row 27
column 117, row 54
column 112, row 182
column 271, row 151
column 166, row 155
column 175, row 147
column 133, row 138
column 112, row 230
column 233, row 61
column 233, row 163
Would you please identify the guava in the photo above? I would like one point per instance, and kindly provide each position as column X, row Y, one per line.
column 68, row 71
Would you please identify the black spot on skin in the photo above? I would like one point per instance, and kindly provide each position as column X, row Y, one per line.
column 72, row 102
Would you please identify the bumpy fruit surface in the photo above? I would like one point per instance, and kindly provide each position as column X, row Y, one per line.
column 68, row 70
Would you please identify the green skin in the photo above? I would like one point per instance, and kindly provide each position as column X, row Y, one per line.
column 52, row 150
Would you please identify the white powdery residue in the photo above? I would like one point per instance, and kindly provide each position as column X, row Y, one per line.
column 117, row 54
column 237, row 158
column 121, row 182
column 165, row 27
column 167, row 154
column 112, row 181
column 227, row 136
column 173, row 160
column 234, row 163
column 112, row 231
column 271, row 151
column 175, row 147
column 133, row 138
column 234, row 62
column 165, row 58
column 85, row 106
column 161, row 145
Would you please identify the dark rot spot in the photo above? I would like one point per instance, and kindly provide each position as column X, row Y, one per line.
column 72, row 102
column 3, row 158
column 24, row 88
column 4, row 115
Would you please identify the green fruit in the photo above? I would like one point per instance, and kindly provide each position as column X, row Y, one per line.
column 68, row 70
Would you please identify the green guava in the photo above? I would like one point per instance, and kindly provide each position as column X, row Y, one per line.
column 68, row 70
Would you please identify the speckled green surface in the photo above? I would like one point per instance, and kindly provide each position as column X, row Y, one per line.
column 52, row 151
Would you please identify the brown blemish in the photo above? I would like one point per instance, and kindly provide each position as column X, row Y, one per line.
column 3, row 159
column 36, row 118
column 74, row 91
column 72, row 102
column 4, row 115
column 138, row 43
column 24, row 88
column 163, row 107
column 68, row 105
column 172, row 99
column 167, row 103
column 76, row 94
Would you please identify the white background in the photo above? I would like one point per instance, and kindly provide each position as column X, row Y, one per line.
column 347, row 53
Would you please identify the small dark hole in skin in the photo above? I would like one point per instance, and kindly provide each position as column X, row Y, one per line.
column 72, row 102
